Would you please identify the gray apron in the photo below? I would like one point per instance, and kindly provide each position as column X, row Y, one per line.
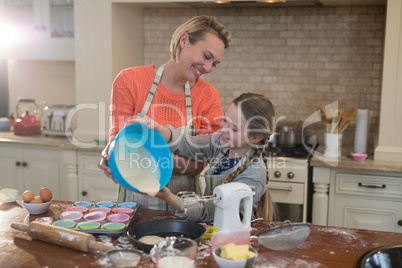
column 176, row 183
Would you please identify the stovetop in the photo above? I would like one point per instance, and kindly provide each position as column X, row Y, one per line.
column 299, row 151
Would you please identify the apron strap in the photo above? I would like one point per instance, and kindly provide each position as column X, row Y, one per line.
column 152, row 91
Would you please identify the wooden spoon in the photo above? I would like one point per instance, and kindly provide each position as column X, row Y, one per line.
column 348, row 115
column 335, row 121
column 343, row 126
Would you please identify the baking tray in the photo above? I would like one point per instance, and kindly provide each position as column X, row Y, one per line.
column 69, row 216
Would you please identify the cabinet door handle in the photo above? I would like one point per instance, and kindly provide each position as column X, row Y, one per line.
column 400, row 222
column 284, row 189
column 24, row 164
column 371, row 186
column 84, row 193
column 18, row 163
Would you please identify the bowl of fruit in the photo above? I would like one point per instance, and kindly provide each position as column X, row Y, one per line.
column 37, row 204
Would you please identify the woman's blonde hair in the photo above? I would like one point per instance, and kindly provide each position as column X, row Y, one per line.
column 260, row 117
column 196, row 28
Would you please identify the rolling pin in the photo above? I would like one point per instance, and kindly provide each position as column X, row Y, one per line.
column 62, row 236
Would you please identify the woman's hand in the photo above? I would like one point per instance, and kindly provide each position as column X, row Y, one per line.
column 105, row 159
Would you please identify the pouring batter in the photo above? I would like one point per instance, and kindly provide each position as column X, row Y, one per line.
column 237, row 151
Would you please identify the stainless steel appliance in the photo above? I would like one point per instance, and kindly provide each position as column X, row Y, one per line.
column 58, row 120
column 290, row 182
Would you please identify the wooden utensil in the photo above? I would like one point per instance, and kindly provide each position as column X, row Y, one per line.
column 335, row 121
column 348, row 115
column 343, row 126
column 62, row 236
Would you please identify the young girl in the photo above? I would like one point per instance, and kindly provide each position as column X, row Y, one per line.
column 238, row 151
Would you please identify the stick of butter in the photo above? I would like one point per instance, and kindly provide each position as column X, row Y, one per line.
column 236, row 252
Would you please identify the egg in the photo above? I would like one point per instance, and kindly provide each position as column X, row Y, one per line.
column 36, row 200
column 45, row 194
column 27, row 196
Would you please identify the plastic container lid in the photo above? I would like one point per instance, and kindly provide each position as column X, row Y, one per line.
column 135, row 136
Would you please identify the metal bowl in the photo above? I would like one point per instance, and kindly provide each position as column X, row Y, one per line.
column 164, row 228
column 285, row 237
column 381, row 257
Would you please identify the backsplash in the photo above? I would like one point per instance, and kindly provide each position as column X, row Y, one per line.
column 301, row 58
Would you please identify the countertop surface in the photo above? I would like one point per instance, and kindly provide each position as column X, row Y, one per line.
column 49, row 141
column 325, row 246
column 347, row 162
column 317, row 160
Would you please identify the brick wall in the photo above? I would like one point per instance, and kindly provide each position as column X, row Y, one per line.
column 300, row 58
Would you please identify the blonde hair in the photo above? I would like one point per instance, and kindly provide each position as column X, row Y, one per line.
column 260, row 115
column 196, row 28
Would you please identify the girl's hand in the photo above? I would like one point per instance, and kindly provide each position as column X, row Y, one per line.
column 151, row 124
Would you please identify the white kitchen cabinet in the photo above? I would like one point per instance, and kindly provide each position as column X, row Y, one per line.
column 25, row 167
column 365, row 201
column 93, row 185
column 45, row 29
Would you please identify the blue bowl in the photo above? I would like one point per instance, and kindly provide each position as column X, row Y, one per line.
column 135, row 138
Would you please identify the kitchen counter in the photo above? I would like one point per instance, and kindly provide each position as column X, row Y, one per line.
column 325, row 247
column 347, row 162
column 48, row 141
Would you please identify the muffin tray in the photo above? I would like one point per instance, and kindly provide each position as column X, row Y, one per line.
column 104, row 217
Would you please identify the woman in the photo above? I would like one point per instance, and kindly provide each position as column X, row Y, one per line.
column 174, row 94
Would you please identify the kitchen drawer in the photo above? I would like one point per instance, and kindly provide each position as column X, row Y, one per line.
column 282, row 192
column 368, row 185
column 89, row 163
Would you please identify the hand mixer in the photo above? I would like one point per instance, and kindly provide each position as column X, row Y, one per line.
column 226, row 198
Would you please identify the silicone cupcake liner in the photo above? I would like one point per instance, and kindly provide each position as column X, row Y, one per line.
column 83, row 203
column 88, row 225
column 105, row 204
column 64, row 223
column 78, row 208
column 71, row 215
column 127, row 205
column 118, row 217
column 95, row 216
column 113, row 226
column 103, row 209
column 123, row 210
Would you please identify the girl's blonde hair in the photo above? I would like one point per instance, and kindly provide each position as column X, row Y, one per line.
column 260, row 117
column 196, row 28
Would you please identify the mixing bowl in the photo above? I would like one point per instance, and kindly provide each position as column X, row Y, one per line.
column 285, row 237
column 225, row 263
column 142, row 151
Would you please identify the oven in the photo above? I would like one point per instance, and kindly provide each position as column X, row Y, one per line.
column 290, row 183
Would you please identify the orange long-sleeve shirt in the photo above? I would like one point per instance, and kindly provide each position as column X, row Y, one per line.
column 131, row 88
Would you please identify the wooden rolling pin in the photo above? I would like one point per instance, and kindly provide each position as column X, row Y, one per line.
column 62, row 236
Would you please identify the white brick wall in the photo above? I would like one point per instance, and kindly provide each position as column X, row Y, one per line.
column 301, row 58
